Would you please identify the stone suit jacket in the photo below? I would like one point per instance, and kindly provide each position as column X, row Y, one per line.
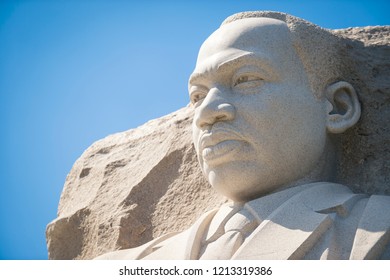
column 312, row 221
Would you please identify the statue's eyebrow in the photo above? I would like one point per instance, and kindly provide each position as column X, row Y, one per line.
column 250, row 58
column 197, row 77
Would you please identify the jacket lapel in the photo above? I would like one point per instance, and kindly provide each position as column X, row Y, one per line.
column 294, row 227
column 373, row 234
column 184, row 246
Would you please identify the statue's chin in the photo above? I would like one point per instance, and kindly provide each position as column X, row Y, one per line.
column 238, row 188
column 244, row 181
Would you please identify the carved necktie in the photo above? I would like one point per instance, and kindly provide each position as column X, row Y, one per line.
column 228, row 230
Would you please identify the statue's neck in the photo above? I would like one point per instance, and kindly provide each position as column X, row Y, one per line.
column 324, row 171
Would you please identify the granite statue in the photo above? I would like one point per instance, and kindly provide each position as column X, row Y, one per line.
column 270, row 99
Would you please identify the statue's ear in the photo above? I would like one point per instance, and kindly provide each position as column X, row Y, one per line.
column 343, row 107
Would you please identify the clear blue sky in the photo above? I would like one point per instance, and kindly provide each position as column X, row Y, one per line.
column 73, row 72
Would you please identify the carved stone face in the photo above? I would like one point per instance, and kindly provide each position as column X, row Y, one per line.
column 257, row 125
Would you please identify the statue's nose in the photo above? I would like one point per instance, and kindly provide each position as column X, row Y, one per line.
column 214, row 108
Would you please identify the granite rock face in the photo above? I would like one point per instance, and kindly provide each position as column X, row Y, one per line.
column 131, row 187
column 365, row 162
column 124, row 190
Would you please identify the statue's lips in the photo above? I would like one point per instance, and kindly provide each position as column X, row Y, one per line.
column 221, row 149
column 217, row 144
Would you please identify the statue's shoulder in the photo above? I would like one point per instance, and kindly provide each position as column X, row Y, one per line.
column 328, row 214
column 371, row 213
column 137, row 252
column 171, row 246
column 372, row 239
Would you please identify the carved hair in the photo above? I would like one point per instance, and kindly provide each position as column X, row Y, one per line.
column 319, row 49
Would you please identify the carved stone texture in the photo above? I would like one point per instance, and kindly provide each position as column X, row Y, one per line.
column 365, row 164
column 134, row 186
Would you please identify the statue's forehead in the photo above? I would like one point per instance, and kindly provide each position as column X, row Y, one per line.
column 268, row 40
column 251, row 34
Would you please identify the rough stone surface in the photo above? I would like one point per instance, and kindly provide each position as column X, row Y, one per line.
column 131, row 187
column 366, row 147
column 124, row 190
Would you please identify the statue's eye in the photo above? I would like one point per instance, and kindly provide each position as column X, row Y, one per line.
column 247, row 81
column 197, row 95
